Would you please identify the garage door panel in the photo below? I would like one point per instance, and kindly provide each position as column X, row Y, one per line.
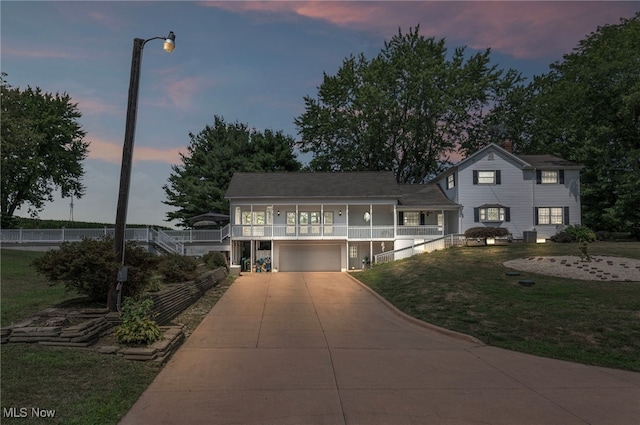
column 310, row 258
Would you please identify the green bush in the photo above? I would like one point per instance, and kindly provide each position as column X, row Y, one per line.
column 88, row 267
column 562, row 237
column 486, row 232
column 215, row 260
column 575, row 233
column 177, row 268
column 138, row 326
column 581, row 233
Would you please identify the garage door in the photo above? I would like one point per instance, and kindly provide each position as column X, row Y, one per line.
column 310, row 258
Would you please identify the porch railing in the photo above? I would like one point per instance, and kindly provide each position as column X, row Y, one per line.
column 341, row 231
column 424, row 247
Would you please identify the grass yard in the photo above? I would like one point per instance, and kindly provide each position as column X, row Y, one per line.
column 23, row 292
column 467, row 290
column 82, row 386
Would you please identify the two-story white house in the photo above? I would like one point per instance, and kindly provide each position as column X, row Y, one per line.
column 519, row 192
column 331, row 221
column 340, row 221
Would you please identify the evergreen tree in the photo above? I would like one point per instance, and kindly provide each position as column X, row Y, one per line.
column 199, row 185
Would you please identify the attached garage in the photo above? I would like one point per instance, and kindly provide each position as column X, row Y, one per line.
column 309, row 257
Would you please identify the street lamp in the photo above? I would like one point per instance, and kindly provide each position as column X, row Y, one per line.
column 127, row 159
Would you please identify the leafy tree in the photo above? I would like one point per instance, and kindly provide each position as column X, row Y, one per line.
column 404, row 110
column 200, row 183
column 587, row 109
column 42, row 148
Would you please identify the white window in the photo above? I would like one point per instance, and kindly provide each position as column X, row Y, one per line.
column 258, row 218
column 549, row 177
column 451, row 181
column 353, row 251
column 291, row 218
column 314, row 217
column 269, row 215
column 303, row 218
column 328, row 218
column 492, row 214
column 486, row 177
column 550, row 215
column 246, row 217
column 411, row 218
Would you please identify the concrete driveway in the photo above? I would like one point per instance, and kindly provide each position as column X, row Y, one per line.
column 319, row 348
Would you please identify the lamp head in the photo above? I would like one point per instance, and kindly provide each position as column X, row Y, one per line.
column 170, row 42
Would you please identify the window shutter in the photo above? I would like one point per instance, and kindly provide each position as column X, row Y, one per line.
column 566, row 216
column 561, row 176
column 538, row 177
column 476, row 215
column 475, row 176
column 498, row 177
column 507, row 214
column 535, row 216
column 401, row 218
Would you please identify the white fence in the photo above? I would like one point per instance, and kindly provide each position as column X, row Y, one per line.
column 168, row 240
column 421, row 248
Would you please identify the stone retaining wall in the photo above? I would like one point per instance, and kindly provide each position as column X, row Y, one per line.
column 167, row 305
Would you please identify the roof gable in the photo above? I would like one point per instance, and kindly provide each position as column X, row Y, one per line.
column 523, row 161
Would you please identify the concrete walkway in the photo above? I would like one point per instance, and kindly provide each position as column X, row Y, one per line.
column 319, row 348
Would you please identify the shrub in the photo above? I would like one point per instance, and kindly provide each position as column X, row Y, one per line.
column 138, row 326
column 562, row 237
column 486, row 232
column 581, row 233
column 215, row 260
column 177, row 268
column 574, row 233
column 88, row 267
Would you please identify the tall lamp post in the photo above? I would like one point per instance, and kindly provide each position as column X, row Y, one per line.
column 127, row 159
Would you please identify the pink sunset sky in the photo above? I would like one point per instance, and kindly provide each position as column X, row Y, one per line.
column 251, row 62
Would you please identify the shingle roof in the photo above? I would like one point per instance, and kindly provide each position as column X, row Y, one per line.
column 527, row 161
column 313, row 185
column 425, row 195
column 547, row 161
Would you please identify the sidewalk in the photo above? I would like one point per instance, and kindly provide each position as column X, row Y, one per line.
column 319, row 348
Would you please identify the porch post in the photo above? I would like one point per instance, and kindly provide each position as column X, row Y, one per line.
column 395, row 222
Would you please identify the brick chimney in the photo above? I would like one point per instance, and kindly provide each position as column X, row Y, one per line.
column 507, row 145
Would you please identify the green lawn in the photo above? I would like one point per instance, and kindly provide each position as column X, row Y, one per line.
column 467, row 290
column 82, row 386
column 23, row 292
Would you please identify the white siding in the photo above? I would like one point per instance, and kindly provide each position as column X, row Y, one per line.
column 518, row 191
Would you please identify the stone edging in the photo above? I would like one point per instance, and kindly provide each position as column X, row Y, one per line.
column 159, row 351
